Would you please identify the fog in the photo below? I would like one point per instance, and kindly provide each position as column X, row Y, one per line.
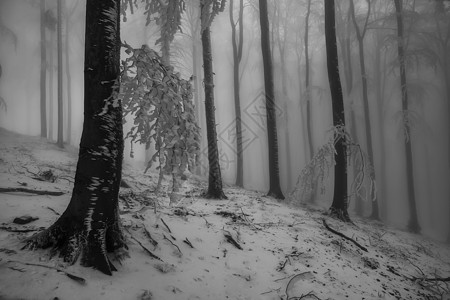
column 427, row 33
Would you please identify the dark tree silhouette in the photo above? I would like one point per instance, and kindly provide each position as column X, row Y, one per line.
column 90, row 225
column 215, row 190
column 307, row 83
column 237, row 43
column 274, row 171
column 340, row 199
column 43, row 76
column 413, row 224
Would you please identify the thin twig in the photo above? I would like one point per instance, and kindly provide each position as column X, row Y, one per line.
column 188, row 242
column 10, row 229
column 70, row 275
column 162, row 220
column 344, row 236
column 57, row 213
column 173, row 244
column 146, row 249
column 30, row 191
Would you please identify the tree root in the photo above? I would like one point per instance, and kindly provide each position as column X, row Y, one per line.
column 344, row 236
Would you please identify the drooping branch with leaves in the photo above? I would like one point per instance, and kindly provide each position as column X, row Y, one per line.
column 161, row 102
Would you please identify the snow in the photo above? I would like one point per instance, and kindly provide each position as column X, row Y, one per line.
column 286, row 251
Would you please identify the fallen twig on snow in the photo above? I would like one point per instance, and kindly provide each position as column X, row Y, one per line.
column 78, row 279
column 162, row 220
column 231, row 240
column 188, row 242
column 57, row 213
column 344, row 236
column 30, row 191
column 11, row 229
column 152, row 240
column 146, row 249
column 173, row 244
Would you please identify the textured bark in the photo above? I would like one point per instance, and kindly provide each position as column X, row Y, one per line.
column 60, row 139
column 413, row 224
column 215, row 190
column 90, row 225
column 43, row 78
column 340, row 199
column 237, row 57
column 274, row 171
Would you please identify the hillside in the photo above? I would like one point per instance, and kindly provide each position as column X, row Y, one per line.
column 247, row 247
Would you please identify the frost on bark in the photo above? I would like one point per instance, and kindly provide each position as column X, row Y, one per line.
column 90, row 225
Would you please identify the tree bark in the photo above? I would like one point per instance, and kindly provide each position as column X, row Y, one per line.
column 274, row 171
column 307, row 84
column 90, row 225
column 43, row 76
column 413, row 224
column 237, row 57
column 60, row 139
column 69, row 79
column 215, row 190
column 340, row 199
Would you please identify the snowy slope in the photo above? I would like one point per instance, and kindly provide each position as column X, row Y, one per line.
column 286, row 253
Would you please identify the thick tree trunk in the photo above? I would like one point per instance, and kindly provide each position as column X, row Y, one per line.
column 50, row 87
column 43, row 78
column 90, row 226
column 60, row 139
column 413, row 224
column 340, row 199
column 215, row 190
column 237, row 56
column 274, row 171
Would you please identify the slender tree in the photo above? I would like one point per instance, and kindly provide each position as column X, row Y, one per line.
column 307, row 83
column 237, row 43
column 360, row 34
column 274, row 171
column 340, row 199
column 90, row 225
column 209, row 9
column 413, row 224
column 43, row 76
column 60, row 139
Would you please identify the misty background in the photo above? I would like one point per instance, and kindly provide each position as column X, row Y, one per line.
column 427, row 30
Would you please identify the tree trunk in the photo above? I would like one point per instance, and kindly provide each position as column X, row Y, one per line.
column 274, row 171
column 237, row 57
column 413, row 224
column 307, row 84
column 215, row 190
column 340, row 199
column 50, row 86
column 90, row 226
column 43, row 78
column 60, row 139
column 368, row 129
column 69, row 80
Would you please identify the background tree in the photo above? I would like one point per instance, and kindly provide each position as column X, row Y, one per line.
column 237, row 42
column 360, row 34
column 90, row 225
column 43, row 75
column 413, row 224
column 340, row 199
column 60, row 139
column 209, row 9
column 274, row 171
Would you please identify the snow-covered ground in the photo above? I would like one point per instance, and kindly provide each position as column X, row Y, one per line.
column 286, row 252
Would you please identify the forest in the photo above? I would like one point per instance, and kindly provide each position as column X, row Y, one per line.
column 213, row 149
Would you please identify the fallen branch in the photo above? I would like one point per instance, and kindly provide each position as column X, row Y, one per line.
column 152, row 240
column 231, row 240
column 57, row 213
column 173, row 244
column 146, row 249
column 188, row 242
column 78, row 279
column 30, row 191
column 162, row 220
column 344, row 236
